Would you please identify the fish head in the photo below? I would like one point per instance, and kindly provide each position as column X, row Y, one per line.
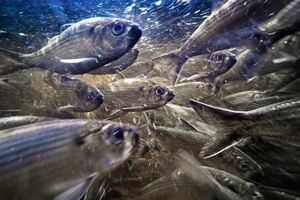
column 112, row 38
column 109, row 144
column 221, row 56
column 90, row 98
column 242, row 164
column 157, row 95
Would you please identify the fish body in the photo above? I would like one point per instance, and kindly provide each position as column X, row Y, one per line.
column 132, row 95
column 82, row 47
column 279, row 121
column 50, row 159
column 49, row 94
column 285, row 22
column 221, row 30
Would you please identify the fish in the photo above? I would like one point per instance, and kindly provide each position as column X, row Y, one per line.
column 278, row 121
column 224, row 185
column 281, row 55
column 87, row 97
column 222, row 61
column 84, row 46
column 50, row 95
column 251, row 63
column 239, row 71
column 119, row 65
column 219, row 31
column 60, row 159
column 231, row 159
column 132, row 95
column 285, row 22
column 192, row 181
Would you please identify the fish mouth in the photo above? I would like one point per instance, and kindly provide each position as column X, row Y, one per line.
column 171, row 96
column 99, row 99
column 135, row 34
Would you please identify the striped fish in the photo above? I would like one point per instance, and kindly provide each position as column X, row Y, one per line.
column 82, row 47
column 60, row 159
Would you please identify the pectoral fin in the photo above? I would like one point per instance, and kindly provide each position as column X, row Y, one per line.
column 78, row 191
column 70, row 108
column 79, row 61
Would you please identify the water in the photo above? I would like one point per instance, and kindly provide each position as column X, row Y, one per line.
column 241, row 72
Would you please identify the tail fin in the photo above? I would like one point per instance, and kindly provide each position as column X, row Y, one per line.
column 168, row 66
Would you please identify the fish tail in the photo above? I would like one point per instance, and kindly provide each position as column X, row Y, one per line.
column 13, row 61
column 168, row 66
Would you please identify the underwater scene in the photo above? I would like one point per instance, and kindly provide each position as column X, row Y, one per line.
column 150, row 100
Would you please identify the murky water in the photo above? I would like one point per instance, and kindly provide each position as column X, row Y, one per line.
column 210, row 88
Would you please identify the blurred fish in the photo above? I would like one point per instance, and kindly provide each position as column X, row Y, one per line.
column 231, row 159
column 223, row 60
column 286, row 22
column 279, row 121
column 118, row 65
column 219, row 31
column 88, row 98
column 250, row 63
column 60, row 158
column 193, row 181
column 222, row 184
column 132, row 95
column 81, row 48
column 186, row 91
column 52, row 95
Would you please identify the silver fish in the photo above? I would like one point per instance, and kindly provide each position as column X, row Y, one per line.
column 132, row 95
column 60, row 158
column 83, row 47
column 219, row 31
column 278, row 121
column 222, row 184
column 284, row 23
column 52, row 95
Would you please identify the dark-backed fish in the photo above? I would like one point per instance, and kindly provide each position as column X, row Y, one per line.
column 60, row 158
column 81, row 48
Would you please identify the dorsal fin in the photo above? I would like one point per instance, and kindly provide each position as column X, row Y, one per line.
column 65, row 26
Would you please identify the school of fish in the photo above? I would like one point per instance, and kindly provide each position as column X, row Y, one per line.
column 217, row 118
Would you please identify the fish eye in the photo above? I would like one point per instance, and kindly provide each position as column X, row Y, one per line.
column 118, row 29
column 90, row 94
column 116, row 135
column 220, row 57
column 159, row 91
column 243, row 166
